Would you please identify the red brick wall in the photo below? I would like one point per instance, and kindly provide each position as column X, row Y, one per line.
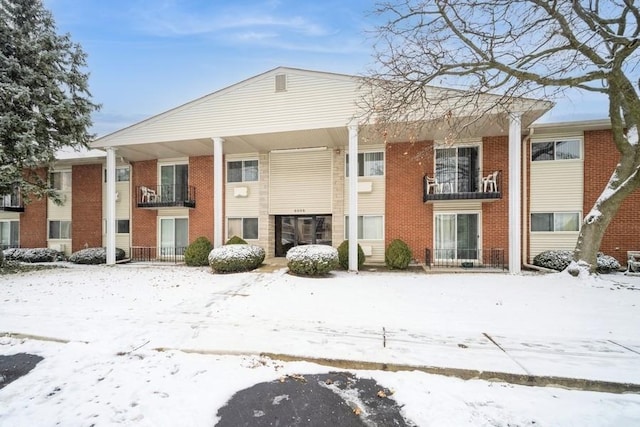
column 407, row 217
column 201, row 177
column 600, row 158
column 86, row 208
column 495, row 214
column 33, row 222
column 143, row 221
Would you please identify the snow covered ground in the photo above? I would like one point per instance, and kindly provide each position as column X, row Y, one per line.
column 115, row 318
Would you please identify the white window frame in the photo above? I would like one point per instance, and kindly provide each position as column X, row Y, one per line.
column 242, row 220
column 555, row 141
column 162, row 249
column 119, row 170
column 244, row 170
column 62, row 181
column 478, row 213
column 468, row 144
column 59, row 228
column 11, row 223
column 363, row 218
column 553, row 214
column 365, row 170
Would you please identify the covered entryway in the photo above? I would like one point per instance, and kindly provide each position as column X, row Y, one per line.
column 296, row 230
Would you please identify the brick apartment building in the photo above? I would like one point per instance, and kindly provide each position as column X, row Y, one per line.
column 267, row 159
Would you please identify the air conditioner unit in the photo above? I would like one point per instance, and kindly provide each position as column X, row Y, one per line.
column 60, row 247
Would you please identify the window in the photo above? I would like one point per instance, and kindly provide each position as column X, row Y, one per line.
column 174, row 236
column 242, row 171
column 246, row 228
column 458, row 169
column 369, row 164
column 59, row 229
column 369, row 227
column 60, row 181
column 555, row 221
column 122, row 174
column 457, row 236
column 174, row 182
column 555, row 150
column 9, row 234
column 122, row 226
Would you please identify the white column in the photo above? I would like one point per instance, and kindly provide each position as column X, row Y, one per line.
column 111, row 206
column 218, row 188
column 353, row 198
column 515, row 184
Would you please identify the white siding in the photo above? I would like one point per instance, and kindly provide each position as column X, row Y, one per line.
column 300, row 183
column 540, row 242
column 311, row 101
column 123, row 211
column 62, row 212
column 236, row 204
column 9, row 215
column 248, row 206
column 454, row 206
column 368, row 203
column 557, row 186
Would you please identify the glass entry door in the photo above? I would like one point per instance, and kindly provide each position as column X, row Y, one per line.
column 174, row 236
column 457, row 236
column 296, row 230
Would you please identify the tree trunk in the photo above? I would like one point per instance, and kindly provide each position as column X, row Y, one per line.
column 596, row 222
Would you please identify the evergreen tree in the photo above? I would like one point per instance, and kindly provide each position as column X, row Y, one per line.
column 45, row 103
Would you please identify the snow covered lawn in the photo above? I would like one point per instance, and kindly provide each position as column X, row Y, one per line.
column 115, row 318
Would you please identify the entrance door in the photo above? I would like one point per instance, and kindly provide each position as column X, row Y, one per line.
column 174, row 236
column 457, row 236
column 296, row 230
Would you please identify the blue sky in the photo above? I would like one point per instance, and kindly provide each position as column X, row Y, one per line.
column 147, row 56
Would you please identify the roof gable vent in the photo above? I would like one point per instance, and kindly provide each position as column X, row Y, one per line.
column 281, row 82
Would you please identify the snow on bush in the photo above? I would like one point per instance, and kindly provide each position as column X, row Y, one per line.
column 94, row 256
column 235, row 258
column 607, row 263
column 560, row 259
column 33, row 255
column 312, row 260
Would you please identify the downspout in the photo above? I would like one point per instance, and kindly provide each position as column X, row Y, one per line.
column 525, row 211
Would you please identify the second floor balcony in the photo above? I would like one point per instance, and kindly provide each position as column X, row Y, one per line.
column 11, row 202
column 462, row 186
column 165, row 196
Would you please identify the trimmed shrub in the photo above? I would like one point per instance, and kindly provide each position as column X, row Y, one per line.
column 312, row 260
column 560, row 259
column 607, row 263
column 94, row 256
column 234, row 258
column 235, row 240
column 555, row 260
column 343, row 255
column 197, row 253
column 398, row 255
column 33, row 255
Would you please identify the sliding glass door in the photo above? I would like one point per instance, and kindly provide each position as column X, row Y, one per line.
column 174, row 236
column 457, row 236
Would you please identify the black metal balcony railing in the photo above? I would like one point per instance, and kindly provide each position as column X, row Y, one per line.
column 465, row 258
column 166, row 196
column 162, row 254
column 11, row 202
column 468, row 187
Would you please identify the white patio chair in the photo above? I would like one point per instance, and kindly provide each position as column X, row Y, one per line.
column 490, row 182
